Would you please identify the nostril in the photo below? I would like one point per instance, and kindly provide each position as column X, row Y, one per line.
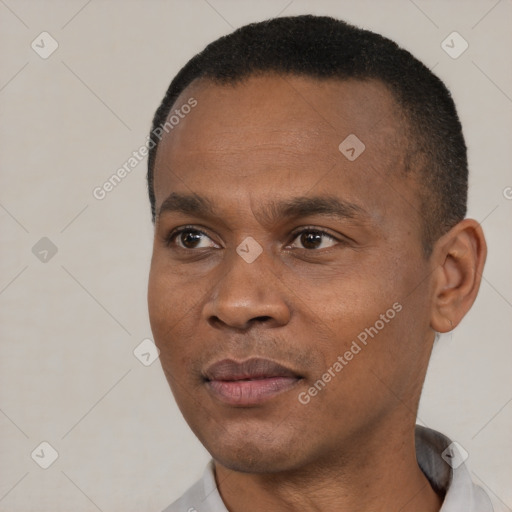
column 261, row 319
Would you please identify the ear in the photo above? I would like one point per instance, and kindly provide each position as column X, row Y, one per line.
column 458, row 258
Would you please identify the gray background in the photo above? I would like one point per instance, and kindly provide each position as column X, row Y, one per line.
column 69, row 324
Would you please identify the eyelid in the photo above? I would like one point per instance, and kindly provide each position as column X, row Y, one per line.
column 322, row 231
column 310, row 228
column 169, row 237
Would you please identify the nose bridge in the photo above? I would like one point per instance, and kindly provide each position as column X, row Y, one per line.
column 248, row 289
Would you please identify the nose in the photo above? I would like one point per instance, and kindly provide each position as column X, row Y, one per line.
column 246, row 294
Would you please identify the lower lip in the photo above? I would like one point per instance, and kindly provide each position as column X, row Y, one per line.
column 250, row 392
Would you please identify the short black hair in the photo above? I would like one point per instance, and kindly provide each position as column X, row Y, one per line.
column 323, row 47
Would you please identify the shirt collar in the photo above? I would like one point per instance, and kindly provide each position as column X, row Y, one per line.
column 442, row 462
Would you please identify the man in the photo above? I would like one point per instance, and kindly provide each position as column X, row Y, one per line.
column 308, row 185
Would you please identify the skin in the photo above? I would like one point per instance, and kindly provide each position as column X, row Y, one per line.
column 270, row 139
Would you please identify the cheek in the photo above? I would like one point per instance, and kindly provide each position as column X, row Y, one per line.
column 366, row 304
column 171, row 290
column 167, row 306
column 349, row 299
column 160, row 302
column 174, row 302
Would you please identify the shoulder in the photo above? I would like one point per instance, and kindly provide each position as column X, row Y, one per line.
column 188, row 501
column 203, row 496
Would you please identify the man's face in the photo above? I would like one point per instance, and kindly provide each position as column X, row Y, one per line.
column 340, row 242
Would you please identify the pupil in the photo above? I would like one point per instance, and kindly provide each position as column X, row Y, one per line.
column 190, row 239
column 311, row 240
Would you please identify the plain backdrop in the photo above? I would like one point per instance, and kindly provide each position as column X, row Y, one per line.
column 70, row 323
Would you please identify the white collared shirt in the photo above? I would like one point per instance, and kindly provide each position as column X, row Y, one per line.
column 433, row 449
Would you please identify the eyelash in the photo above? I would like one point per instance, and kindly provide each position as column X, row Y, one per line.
column 170, row 238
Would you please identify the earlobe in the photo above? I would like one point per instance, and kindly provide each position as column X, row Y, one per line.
column 458, row 259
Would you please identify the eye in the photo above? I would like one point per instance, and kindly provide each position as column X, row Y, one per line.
column 314, row 239
column 189, row 238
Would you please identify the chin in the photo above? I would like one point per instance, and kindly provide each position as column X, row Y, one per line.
column 259, row 463
column 247, row 454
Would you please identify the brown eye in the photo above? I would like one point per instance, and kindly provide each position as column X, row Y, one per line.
column 311, row 240
column 188, row 238
column 314, row 239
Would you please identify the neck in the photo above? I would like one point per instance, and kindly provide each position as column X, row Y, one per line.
column 378, row 473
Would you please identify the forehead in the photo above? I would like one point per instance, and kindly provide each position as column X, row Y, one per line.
column 273, row 133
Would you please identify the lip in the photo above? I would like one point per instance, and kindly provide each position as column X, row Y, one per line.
column 248, row 382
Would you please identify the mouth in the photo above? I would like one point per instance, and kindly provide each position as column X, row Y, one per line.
column 249, row 382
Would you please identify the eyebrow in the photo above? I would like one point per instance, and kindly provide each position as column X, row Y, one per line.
column 190, row 204
column 296, row 207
